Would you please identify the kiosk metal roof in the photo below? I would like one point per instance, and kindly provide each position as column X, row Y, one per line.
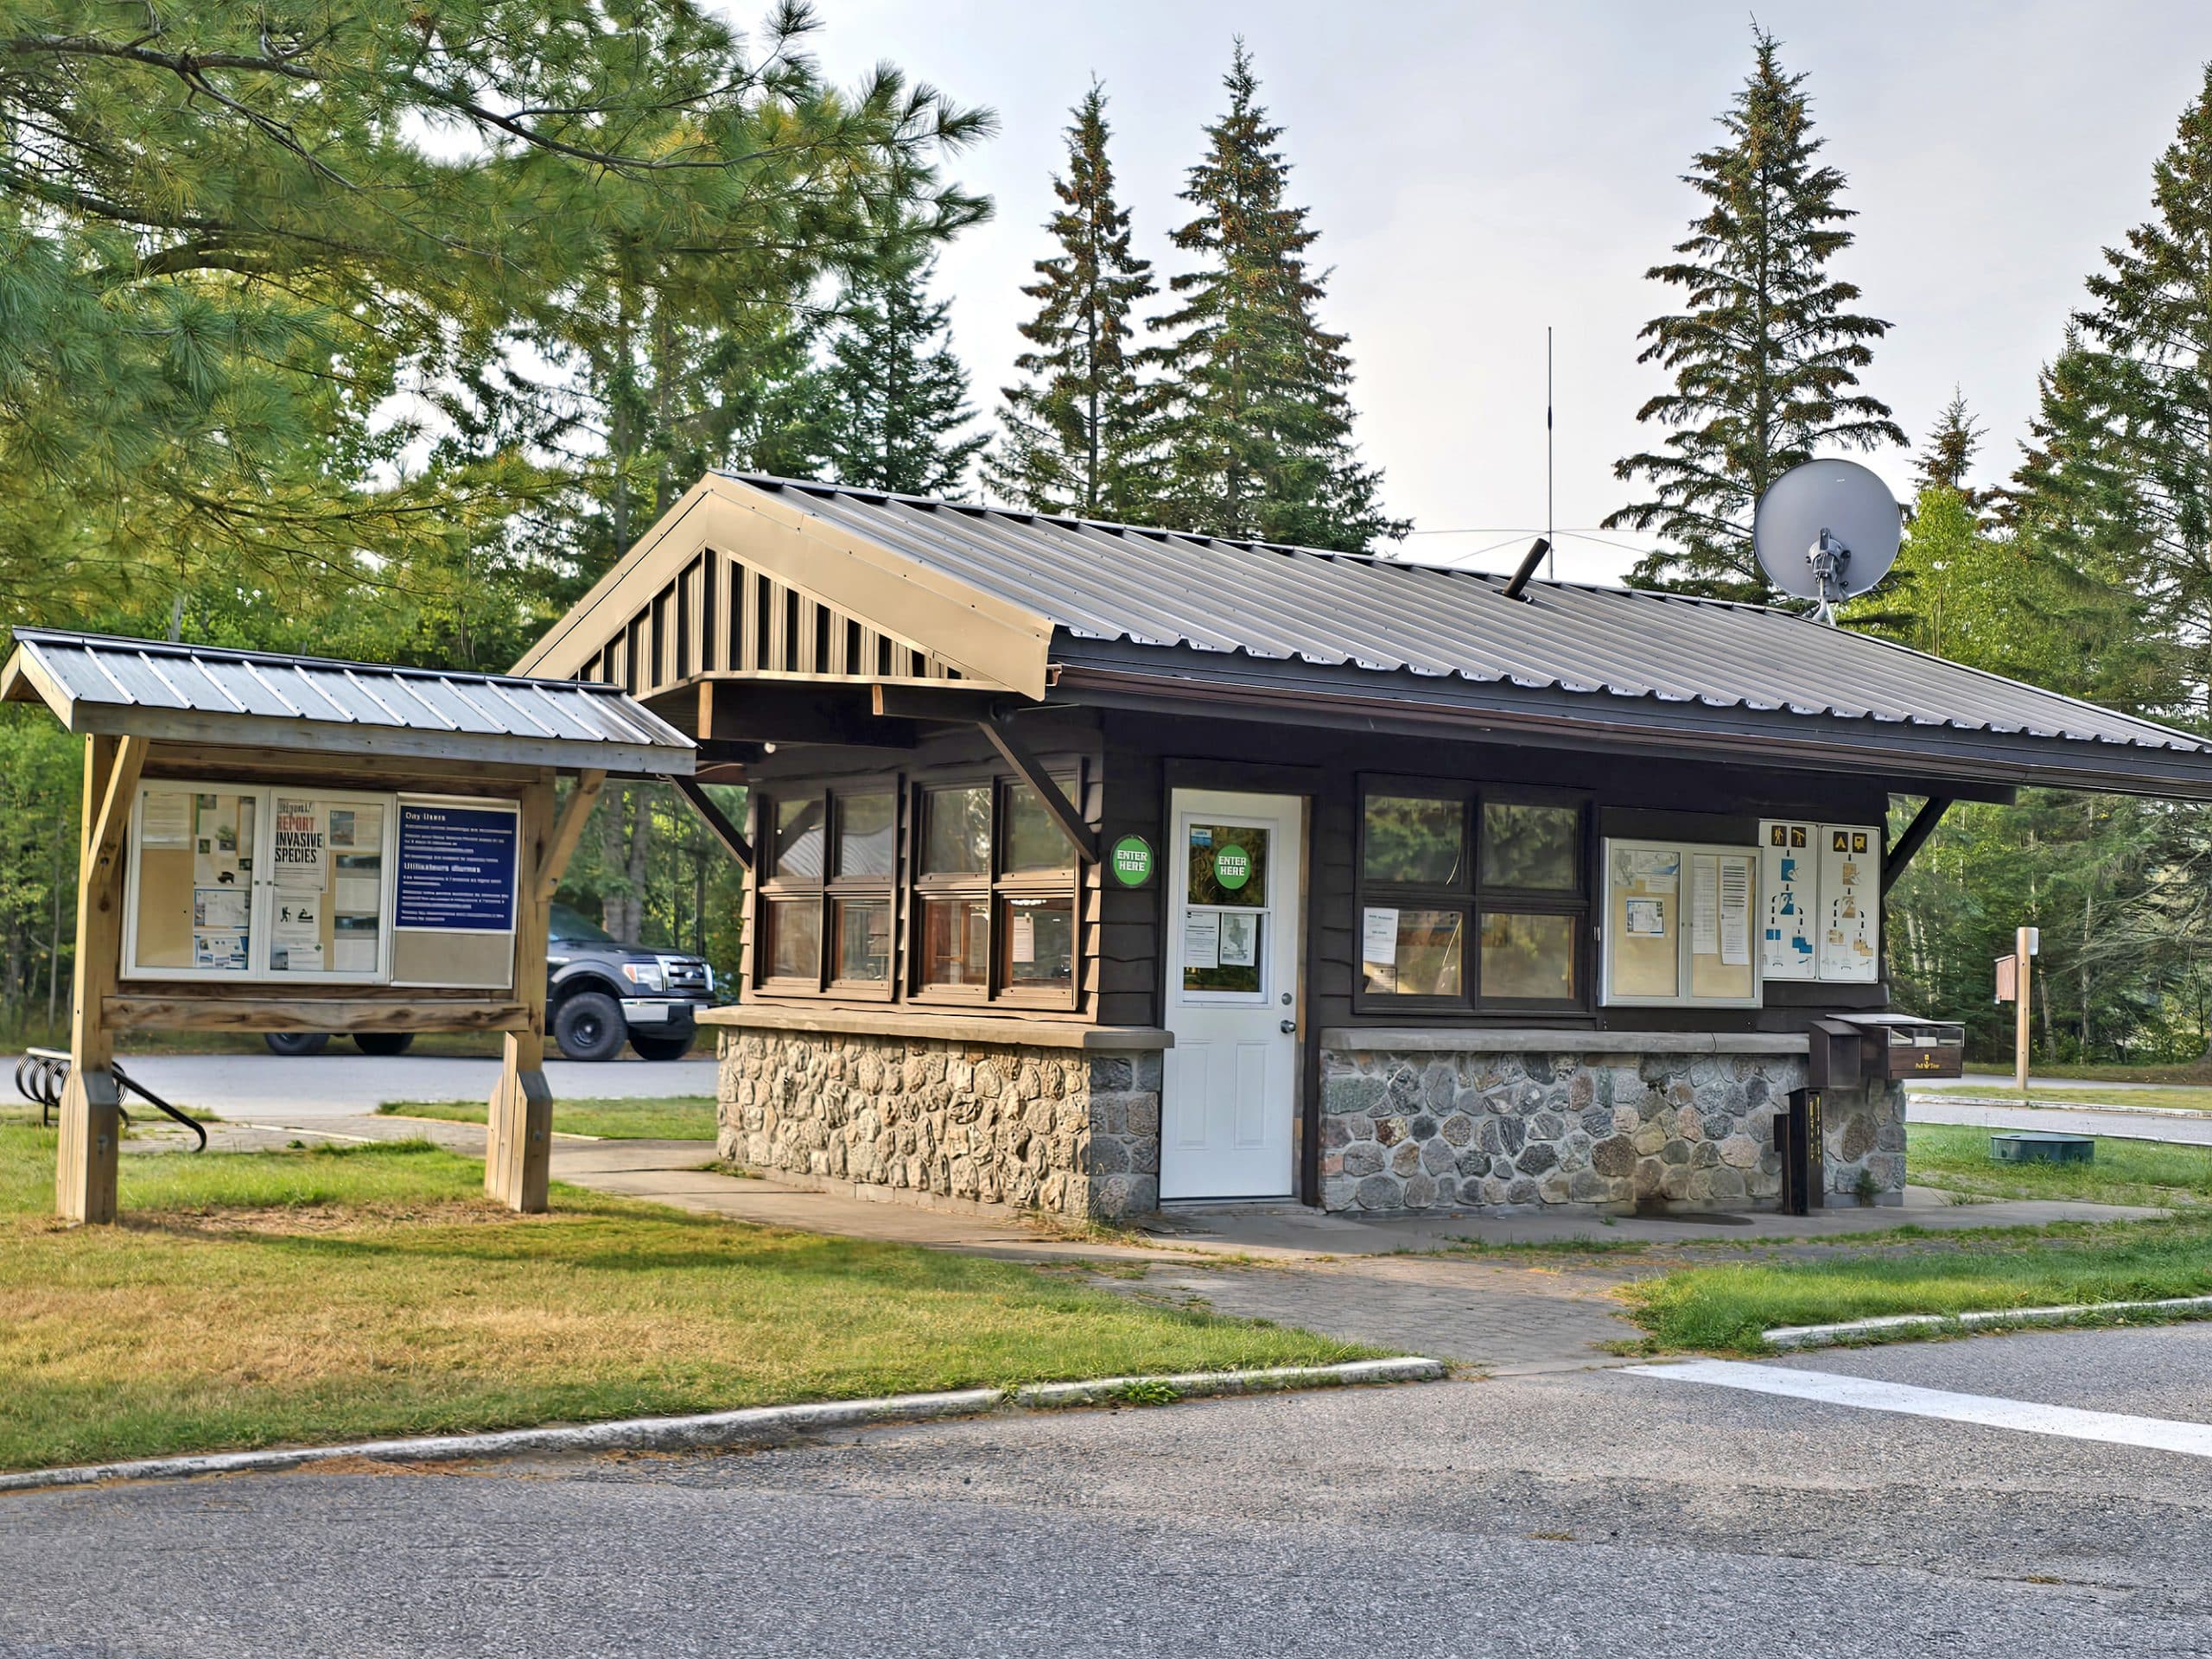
column 209, row 693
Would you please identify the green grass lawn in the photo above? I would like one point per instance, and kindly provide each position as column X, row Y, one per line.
column 671, row 1118
column 335, row 1294
column 1725, row 1308
column 2155, row 1173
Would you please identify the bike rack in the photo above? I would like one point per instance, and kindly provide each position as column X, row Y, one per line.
column 41, row 1072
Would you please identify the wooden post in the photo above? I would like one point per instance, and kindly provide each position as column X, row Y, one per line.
column 2023, row 1027
column 91, row 1127
column 518, row 1142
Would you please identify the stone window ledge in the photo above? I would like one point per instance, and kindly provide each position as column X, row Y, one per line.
column 1462, row 1040
column 943, row 1027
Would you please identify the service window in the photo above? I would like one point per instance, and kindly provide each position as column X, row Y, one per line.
column 993, row 895
column 1677, row 927
column 826, row 914
column 1470, row 897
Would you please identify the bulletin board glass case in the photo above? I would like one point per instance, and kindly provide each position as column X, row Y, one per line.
column 291, row 886
column 1678, row 924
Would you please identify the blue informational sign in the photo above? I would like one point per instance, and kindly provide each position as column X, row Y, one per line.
column 456, row 868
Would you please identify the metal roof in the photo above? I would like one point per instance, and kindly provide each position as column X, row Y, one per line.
column 1617, row 656
column 210, row 693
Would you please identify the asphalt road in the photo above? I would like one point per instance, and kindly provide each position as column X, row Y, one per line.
column 340, row 1082
column 1596, row 1513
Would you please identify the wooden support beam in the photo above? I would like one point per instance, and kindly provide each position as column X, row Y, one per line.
column 91, row 1124
column 518, row 1138
column 766, row 711
column 732, row 838
column 1080, row 836
column 1899, row 856
column 568, row 832
column 954, row 704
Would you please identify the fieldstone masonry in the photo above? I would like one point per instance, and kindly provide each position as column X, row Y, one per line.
column 1066, row 1130
column 1431, row 1131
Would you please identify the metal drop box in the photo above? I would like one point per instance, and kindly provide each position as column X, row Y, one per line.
column 1850, row 1051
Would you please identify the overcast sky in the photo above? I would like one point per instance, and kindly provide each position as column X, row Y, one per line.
column 1480, row 171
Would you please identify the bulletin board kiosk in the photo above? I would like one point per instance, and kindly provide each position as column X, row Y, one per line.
column 284, row 843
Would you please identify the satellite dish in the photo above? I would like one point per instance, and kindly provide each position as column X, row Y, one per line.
column 1827, row 531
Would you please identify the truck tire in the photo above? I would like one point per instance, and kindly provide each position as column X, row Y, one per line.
column 590, row 1026
column 384, row 1043
column 296, row 1042
column 661, row 1048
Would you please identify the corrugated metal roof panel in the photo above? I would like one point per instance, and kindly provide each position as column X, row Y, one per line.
column 138, row 683
column 1155, row 587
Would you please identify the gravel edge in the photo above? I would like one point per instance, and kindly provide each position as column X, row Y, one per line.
column 756, row 1426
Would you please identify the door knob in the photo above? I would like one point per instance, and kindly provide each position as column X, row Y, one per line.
column 1290, row 1028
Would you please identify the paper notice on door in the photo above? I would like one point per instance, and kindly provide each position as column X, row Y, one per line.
column 1202, row 939
column 1705, row 905
column 219, row 906
column 298, row 860
column 1736, row 911
column 166, row 819
column 1378, row 938
column 1240, row 941
column 1022, row 941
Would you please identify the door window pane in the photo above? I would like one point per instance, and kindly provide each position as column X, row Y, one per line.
column 863, row 936
column 1034, row 841
column 799, row 838
column 864, row 834
column 1530, row 846
column 794, row 938
column 1221, row 949
column 955, row 934
column 956, row 831
column 1037, row 942
column 1529, row 957
column 1415, row 840
column 1412, row 952
column 1228, row 865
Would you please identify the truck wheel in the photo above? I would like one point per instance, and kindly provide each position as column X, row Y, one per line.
column 590, row 1026
column 383, row 1042
column 296, row 1042
column 661, row 1048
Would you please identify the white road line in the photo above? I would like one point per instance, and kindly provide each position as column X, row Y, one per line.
column 1867, row 1393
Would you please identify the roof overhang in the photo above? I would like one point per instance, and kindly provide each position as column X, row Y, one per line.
column 545, row 723
column 1912, row 757
column 992, row 642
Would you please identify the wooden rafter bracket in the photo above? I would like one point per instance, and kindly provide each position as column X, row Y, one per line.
column 1080, row 836
column 1899, row 855
column 732, row 838
column 104, row 837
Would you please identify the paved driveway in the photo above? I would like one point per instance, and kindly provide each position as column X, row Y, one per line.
column 1601, row 1513
column 341, row 1083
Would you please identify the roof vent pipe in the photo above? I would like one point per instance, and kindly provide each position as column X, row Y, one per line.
column 1529, row 560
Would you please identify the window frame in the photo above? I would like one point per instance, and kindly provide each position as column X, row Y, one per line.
column 1471, row 898
column 996, row 886
column 826, row 890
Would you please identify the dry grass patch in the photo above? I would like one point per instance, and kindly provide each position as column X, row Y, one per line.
column 336, row 1293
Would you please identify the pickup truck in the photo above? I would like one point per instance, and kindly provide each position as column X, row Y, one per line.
column 600, row 994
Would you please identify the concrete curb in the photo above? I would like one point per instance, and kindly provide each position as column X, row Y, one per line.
column 757, row 1425
column 1830, row 1336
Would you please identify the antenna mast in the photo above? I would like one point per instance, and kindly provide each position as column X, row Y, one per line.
column 1551, row 558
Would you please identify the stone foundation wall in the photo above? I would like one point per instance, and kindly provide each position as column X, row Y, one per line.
column 1066, row 1130
column 1422, row 1131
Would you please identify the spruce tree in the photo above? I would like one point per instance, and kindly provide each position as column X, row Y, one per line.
column 893, row 398
column 1765, row 355
column 1258, row 418
column 1079, row 438
column 1949, row 452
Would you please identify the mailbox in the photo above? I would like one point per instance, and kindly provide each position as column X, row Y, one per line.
column 1892, row 1048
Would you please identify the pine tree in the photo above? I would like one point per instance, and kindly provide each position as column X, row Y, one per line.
column 893, row 397
column 1949, row 452
column 1258, row 418
column 1765, row 356
column 1079, row 432
column 2139, row 499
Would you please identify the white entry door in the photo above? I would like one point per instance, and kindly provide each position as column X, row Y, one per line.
column 1234, row 944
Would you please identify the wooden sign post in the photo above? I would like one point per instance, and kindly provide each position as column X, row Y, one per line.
column 2024, row 950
